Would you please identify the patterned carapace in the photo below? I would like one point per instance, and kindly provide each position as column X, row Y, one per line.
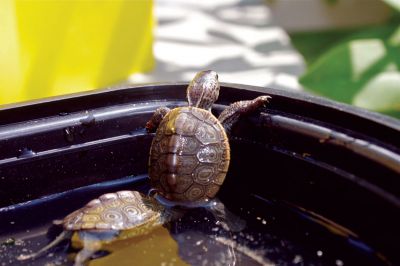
column 114, row 211
column 190, row 153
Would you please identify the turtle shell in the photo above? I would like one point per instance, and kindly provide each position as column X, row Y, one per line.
column 189, row 155
column 114, row 211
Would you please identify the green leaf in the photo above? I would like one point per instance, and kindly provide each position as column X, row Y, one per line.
column 313, row 44
column 331, row 2
column 381, row 94
column 363, row 70
column 393, row 3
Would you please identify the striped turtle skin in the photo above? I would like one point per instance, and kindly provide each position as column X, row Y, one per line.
column 189, row 156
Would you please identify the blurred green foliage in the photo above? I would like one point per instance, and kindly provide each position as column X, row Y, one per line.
column 313, row 44
column 393, row 3
column 357, row 66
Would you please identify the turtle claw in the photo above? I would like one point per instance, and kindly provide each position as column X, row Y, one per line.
column 263, row 100
column 232, row 114
column 23, row 257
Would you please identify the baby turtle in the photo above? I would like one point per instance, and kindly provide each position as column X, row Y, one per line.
column 113, row 215
column 190, row 153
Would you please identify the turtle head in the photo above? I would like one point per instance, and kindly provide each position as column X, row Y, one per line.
column 203, row 90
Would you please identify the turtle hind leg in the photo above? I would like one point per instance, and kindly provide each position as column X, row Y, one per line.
column 92, row 243
column 229, row 221
column 86, row 253
column 64, row 235
column 238, row 109
column 155, row 120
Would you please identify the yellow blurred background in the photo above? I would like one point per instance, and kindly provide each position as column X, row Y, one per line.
column 50, row 48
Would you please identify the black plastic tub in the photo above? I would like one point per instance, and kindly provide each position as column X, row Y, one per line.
column 316, row 181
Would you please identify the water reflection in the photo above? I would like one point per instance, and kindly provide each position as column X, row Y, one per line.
column 272, row 235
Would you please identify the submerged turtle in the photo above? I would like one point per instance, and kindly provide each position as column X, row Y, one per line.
column 190, row 153
column 113, row 215
column 188, row 162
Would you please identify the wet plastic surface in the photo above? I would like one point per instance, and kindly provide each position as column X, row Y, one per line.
column 332, row 160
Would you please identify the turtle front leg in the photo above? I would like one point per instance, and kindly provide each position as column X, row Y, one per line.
column 238, row 109
column 156, row 119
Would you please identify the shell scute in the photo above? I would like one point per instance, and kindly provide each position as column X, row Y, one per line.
column 205, row 117
column 212, row 190
column 87, row 226
column 108, row 196
column 93, row 202
column 195, row 192
column 186, row 164
column 128, row 197
column 155, row 152
column 164, row 183
column 165, row 144
column 154, row 169
column 102, row 226
column 204, row 174
column 207, row 134
column 219, row 178
column 91, row 218
column 182, row 184
column 210, row 154
column 185, row 124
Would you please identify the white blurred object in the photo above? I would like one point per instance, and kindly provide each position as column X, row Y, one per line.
column 238, row 39
column 307, row 15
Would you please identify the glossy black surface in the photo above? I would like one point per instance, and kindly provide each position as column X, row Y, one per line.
column 332, row 160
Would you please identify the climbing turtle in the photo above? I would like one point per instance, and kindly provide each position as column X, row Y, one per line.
column 113, row 215
column 190, row 153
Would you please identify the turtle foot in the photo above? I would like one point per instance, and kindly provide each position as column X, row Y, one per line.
column 228, row 220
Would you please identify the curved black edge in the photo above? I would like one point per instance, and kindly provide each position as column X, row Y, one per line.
column 316, row 100
column 379, row 127
column 122, row 93
column 66, row 104
column 363, row 147
column 382, row 128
